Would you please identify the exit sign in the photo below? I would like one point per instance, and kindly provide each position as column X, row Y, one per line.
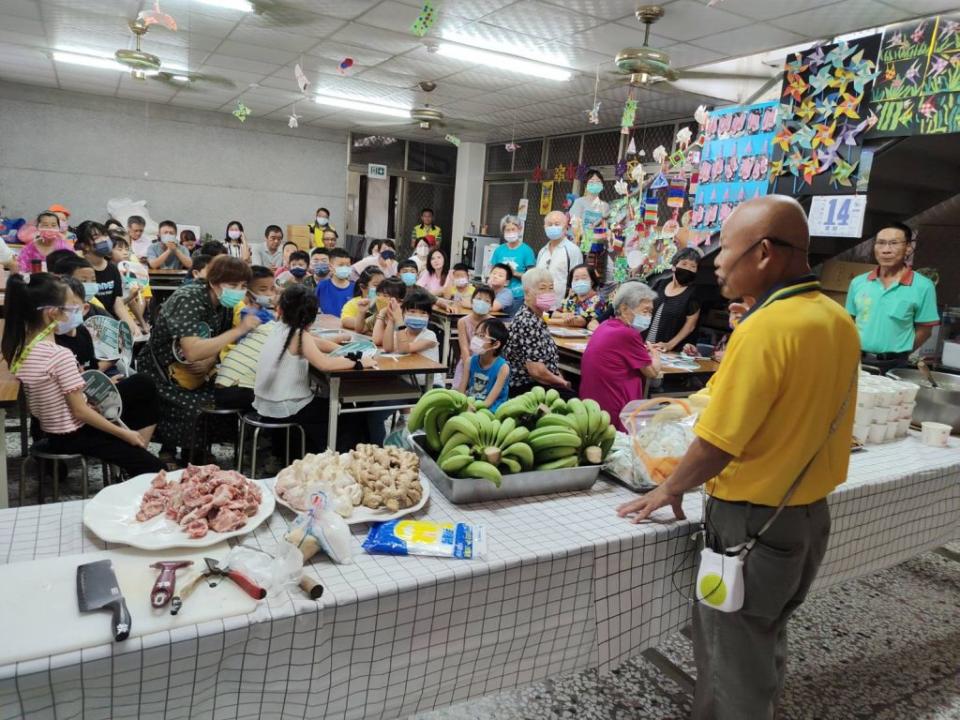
column 377, row 172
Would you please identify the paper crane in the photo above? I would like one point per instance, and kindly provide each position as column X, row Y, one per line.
column 157, row 17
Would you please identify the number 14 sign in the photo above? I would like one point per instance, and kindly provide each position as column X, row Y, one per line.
column 837, row 215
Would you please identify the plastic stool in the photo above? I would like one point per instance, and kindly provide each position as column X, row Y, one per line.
column 259, row 423
column 202, row 422
column 38, row 454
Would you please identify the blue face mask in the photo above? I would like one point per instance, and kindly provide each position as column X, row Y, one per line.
column 553, row 232
column 641, row 322
column 298, row 272
column 415, row 322
column 74, row 320
column 408, row 278
column 481, row 307
column 342, row 272
column 103, row 247
column 230, row 297
column 387, row 254
column 595, row 188
column 372, row 294
column 90, row 290
column 320, row 268
column 580, row 287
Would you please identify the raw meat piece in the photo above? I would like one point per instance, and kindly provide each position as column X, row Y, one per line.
column 227, row 520
column 150, row 509
column 224, row 494
column 197, row 529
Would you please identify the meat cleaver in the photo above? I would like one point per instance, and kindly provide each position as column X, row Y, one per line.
column 97, row 589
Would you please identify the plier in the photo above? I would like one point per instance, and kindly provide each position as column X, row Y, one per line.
column 213, row 574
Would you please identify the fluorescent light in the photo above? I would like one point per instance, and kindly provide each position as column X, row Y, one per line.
column 504, row 62
column 180, row 78
column 241, row 5
column 362, row 106
column 88, row 61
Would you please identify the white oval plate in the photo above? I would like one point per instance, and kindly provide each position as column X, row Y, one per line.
column 360, row 513
column 112, row 516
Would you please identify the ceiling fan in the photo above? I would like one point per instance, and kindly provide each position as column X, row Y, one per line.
column 147, row 66
column 648, row 65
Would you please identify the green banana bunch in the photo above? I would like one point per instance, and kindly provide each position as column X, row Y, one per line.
column 591, row 424
column 476, row 444
column 445, row 403
column 555, row 443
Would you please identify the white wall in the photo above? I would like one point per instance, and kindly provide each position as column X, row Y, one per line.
column 197, row 167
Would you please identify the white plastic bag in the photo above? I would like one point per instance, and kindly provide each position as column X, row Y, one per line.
column 121, row 209
column 661, row 431
column 320, row 528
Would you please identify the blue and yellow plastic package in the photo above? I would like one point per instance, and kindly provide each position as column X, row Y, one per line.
column 424, row 537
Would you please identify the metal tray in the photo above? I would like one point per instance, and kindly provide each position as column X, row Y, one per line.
column 461, row 491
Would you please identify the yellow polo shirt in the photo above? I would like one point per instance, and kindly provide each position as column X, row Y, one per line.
column 783, row 379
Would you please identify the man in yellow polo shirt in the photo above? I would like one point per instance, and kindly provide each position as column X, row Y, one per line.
column 780, row 417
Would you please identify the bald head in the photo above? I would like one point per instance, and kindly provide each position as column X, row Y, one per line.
column 765, row 241
column 555, row 219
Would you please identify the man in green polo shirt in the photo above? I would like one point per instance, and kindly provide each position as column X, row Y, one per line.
column 894, row 307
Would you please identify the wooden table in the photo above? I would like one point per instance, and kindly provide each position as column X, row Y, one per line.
column 9, row 393
column 572, row 349
column 447, row 319
column 369, row 386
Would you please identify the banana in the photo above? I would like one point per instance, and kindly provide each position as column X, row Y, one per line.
column 507, row 426
column 511, row 465
column 559, row 406
column 438, row 397
column 550, row 430
column 521, row 451
column 558, row 439
column 606, row 442
column 555, row 453
column 431, row 429
column 562, row 421
column 483, row 424
column 593, row 417
column 577, row 409
column 459, row 424
column 551, row 397
column 483, row 471
column 456, row 441
column 455, row 463
column 539, row 394
column 561, row 464
column 494, row 431
column 518, row 434
column 486, row 412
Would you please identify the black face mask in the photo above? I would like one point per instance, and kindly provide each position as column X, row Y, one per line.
column 684, row 276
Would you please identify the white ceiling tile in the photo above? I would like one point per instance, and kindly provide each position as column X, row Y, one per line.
column 911, row 8
column 503, row 39
column 606, row 9
column 421, row 65
column 300, row 22
column 333, row 52
column 541, row 20
column 768, row 9
column 193, row 22
column 683, row 55
column 611, row 37
column 840, row 17
column 391, row 15
column 689, row 19
column 240, row 78
column 341, row 9
column 24, row 25
column 44, row 79
column 469, row 9
column 382, row 77
column 750, row 39
column 274, row 56
column 273, row 38
column 15, row 38
column 487, row 79
column 364, row 36
column 253, row 68
column 20, row 8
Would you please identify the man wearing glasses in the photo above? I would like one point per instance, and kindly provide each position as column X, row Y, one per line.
column 894, row 307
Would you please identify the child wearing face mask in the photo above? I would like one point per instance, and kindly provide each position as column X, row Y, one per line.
column 407, row 270
column 36, row 308
column 481, row 304
column 297, row 272
column 260, row 300
column 97, row 248
column 384, row 258
column 365, row 303
column 46, row 240
column 402, row 328
column 335, row 292
column 583, row 303
column 488, row 376
column 319, row 265
column 458, row 292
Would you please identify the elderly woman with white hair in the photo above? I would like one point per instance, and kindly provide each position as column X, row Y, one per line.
column 518, row 255
column 531, row 352
column 559, row 255
column 617, row 358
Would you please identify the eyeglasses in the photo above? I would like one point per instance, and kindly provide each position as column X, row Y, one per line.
column 889, row 243
column 64, row 308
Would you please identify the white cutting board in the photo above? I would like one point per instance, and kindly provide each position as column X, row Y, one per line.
column 39, row 615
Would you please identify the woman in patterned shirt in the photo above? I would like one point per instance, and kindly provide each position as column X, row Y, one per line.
column 531, row 353
column 583, row 303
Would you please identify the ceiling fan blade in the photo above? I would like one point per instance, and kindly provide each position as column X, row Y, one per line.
column 271, row 12
column 707, row 75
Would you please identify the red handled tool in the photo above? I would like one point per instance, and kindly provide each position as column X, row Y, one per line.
column 245, row 583
column 165, row 585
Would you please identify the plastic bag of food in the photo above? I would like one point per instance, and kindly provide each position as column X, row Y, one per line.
column 424, row 537
column 622, row 463
column 320, row 528
column 661, row 431
column 280, row 571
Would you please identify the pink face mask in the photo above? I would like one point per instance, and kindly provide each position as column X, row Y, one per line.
column 546, row 301
column 49, row 235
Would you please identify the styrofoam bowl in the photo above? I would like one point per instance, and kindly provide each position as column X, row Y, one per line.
column 906, row 410
column 861, row 432
column 891, row 431
column 908, row 391
column 903, row 425
column 867, row 397
column 877, row 434
column 934, row 434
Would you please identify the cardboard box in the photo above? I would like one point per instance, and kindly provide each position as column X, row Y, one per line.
column 840, row 297
column 301, row 235
column 837, row 274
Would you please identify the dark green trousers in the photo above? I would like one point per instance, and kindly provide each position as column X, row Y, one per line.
column 741, row 656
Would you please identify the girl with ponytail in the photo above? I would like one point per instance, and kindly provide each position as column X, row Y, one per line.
column 283, row 390
column 37, row 307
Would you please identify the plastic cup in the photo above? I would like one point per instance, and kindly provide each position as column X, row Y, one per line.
column 877, row 434
column 903, row 425
column 891, row 431
column 934, row 434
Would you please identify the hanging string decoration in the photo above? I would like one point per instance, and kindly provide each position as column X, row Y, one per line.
column 345, row 65
column 301, row 78
column 629, row 116
column 559, row 173
column 538, row 174
column 621, row 169
column 241, row 112
column 582, row 170
column 570, row 173
column 426, row 19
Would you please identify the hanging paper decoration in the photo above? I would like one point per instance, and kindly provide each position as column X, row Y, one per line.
column 157, row 17
column 559, row 173
column 684, row 136
column 701, row 115
column 546, row 197
column 636, row 173
column 302, row 81
column 918, row 90
column 821, row 112
column 659, row 154
column 734, row 159
column 241, row 112
column 677, row 159
column 426, row 19
column 659, row 181
column 293, row 121
column 621, row 168
column 593, row 114
column 629, row 116
column 632, row 147
column 452, row 139
column 570, row 172
column 694, row 183
column 345, row 65
column 651, row 210
column 676, row 193
column 538, row 174
column 620, row 186
column 569, row 200
column 511, row 147
column 582, row 170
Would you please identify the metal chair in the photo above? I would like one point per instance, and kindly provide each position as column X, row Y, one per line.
column 202, row 423
column 39, row 453
column 259, row 423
